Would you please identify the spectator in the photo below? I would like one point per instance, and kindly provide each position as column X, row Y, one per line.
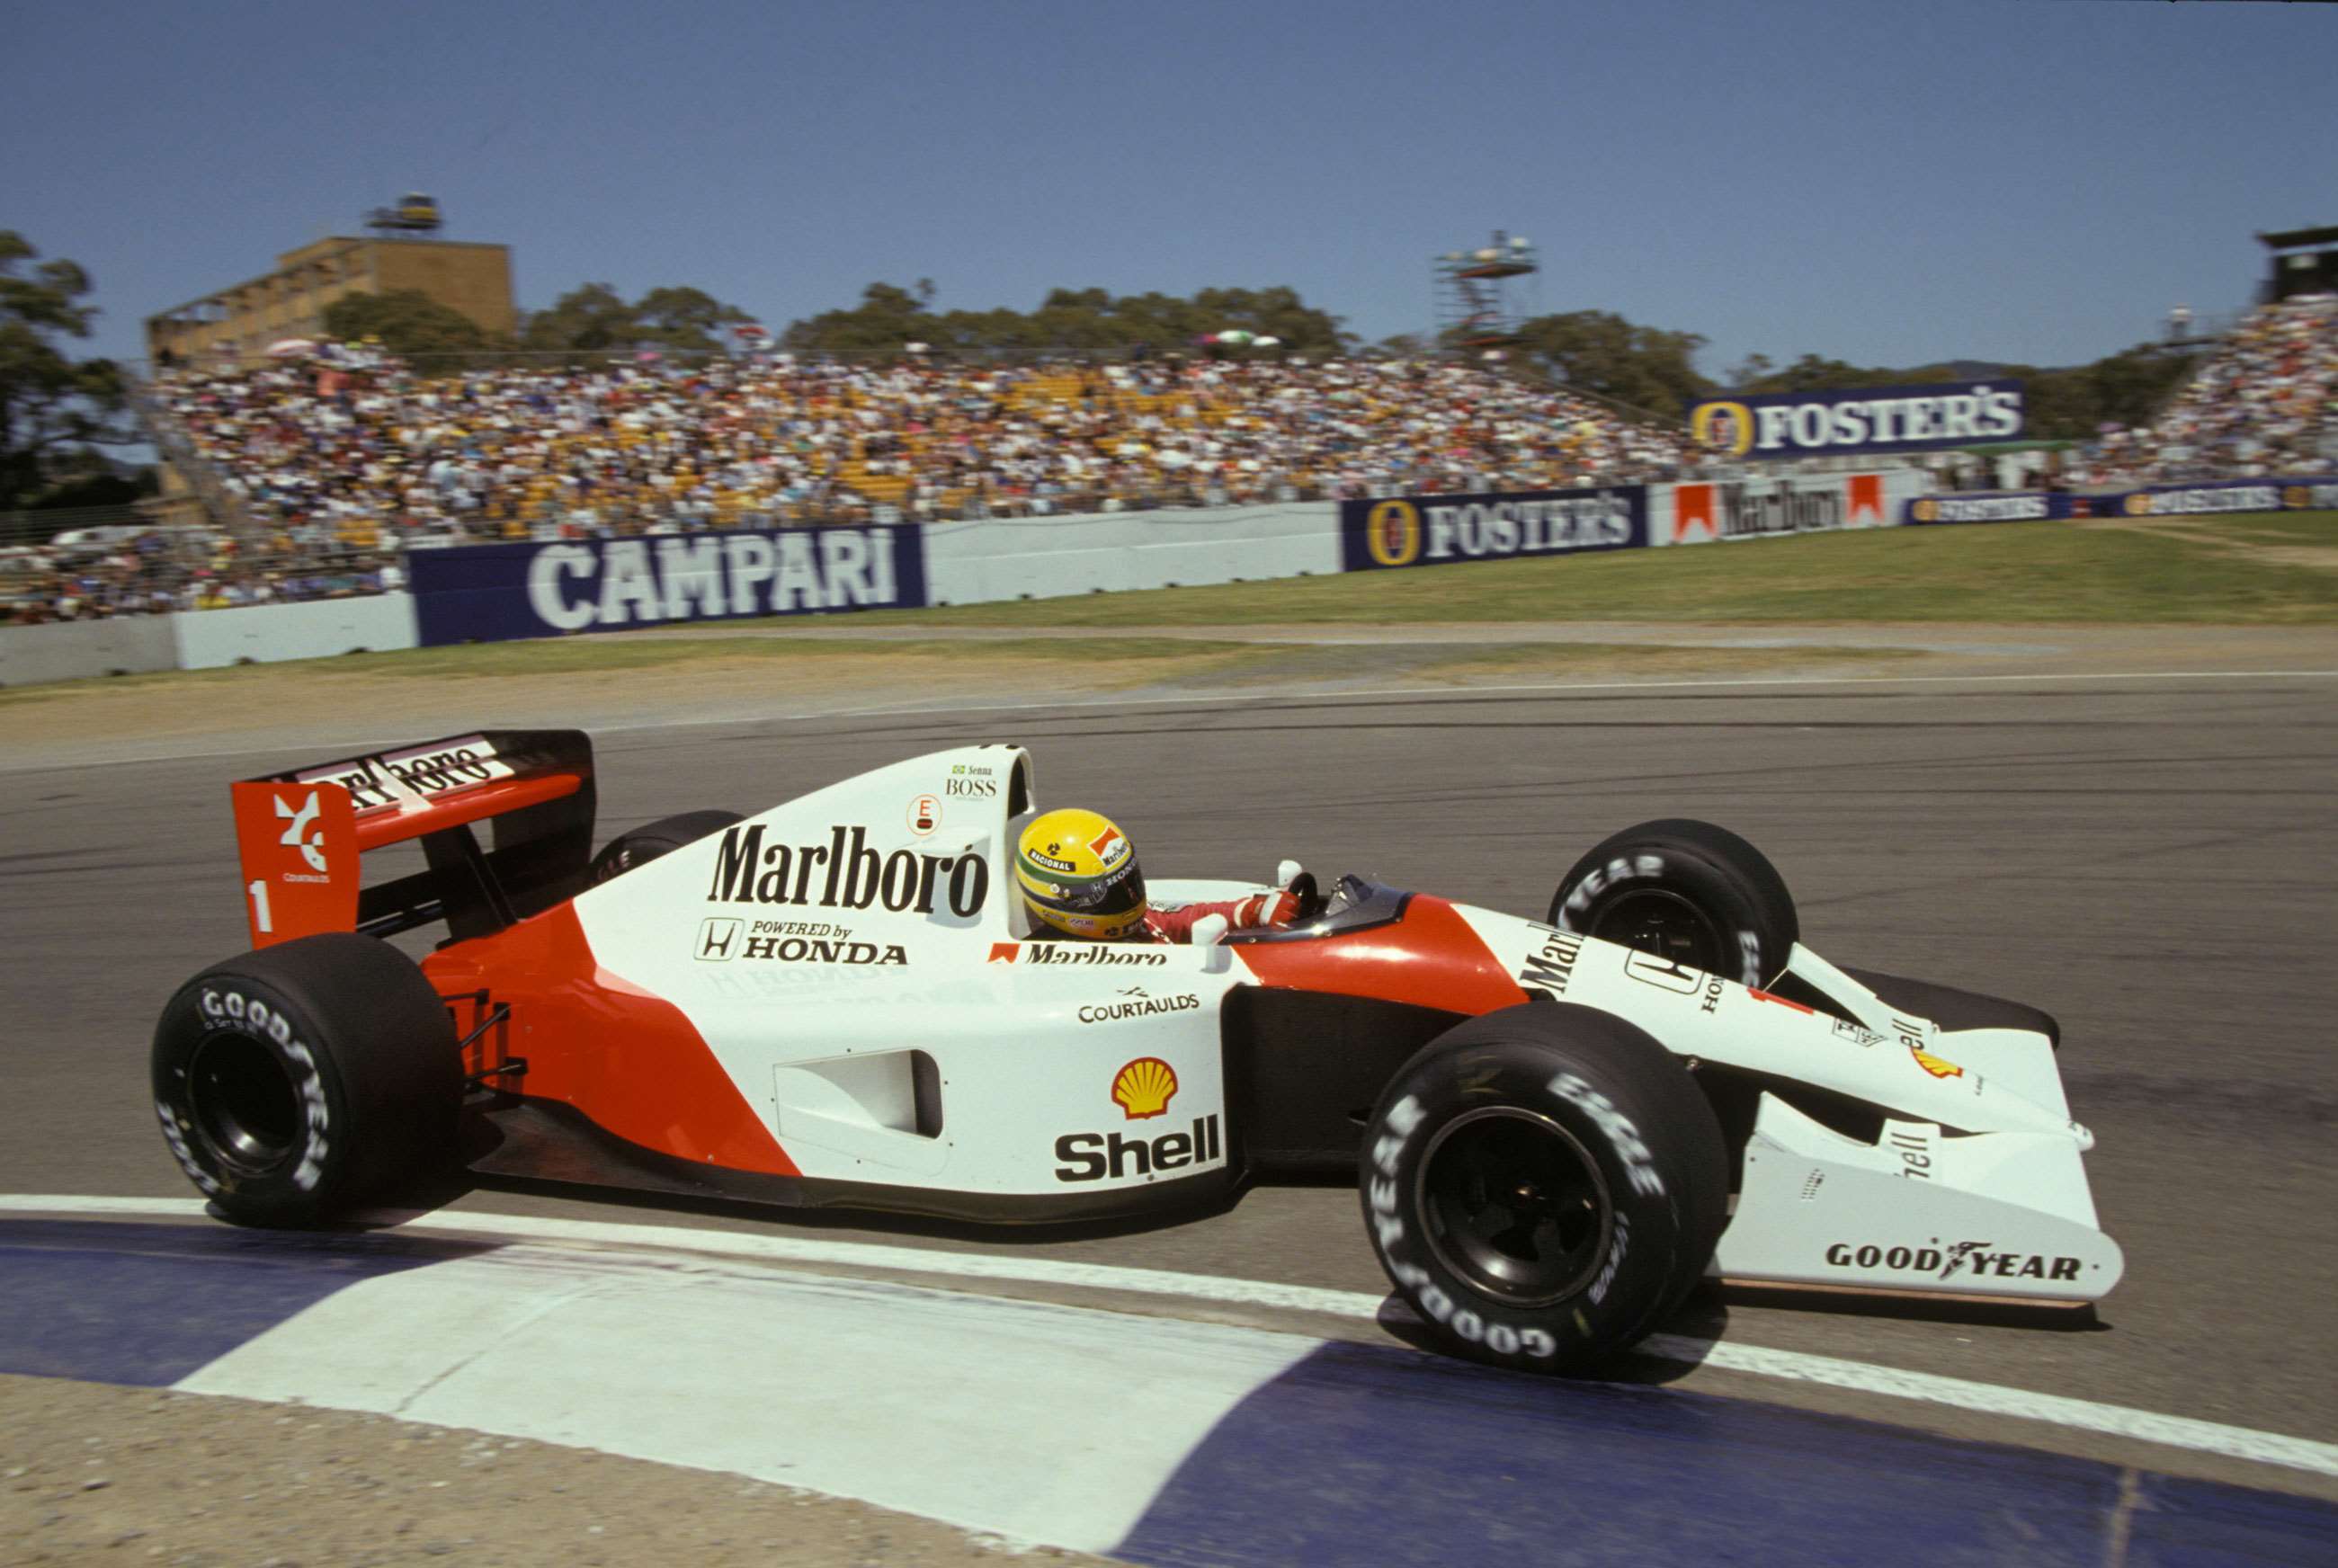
column 2265, row 403
column 363, row 450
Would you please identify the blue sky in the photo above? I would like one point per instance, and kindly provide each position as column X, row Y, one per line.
column 1881, row 182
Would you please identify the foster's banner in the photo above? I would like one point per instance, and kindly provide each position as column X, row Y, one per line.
column 1858, row 420
column 1437, row 530
column 490, row 592
column 2023, row 507
column 2230, row 495
column 2273, row 494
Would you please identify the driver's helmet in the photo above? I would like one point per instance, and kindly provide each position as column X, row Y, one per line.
column 1078, row 874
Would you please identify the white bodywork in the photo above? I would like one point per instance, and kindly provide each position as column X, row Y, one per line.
column 1977, row 1185
column 816, row 992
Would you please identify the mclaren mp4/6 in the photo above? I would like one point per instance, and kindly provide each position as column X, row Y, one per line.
column 1558, row 1126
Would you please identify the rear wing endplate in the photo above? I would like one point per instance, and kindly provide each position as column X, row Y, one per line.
column 301, row 834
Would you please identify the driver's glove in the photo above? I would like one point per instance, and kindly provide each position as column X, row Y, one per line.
column 1276, row 908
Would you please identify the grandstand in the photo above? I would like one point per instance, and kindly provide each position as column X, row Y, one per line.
column 369, row 452
column 306, row 476
column 2265, row 402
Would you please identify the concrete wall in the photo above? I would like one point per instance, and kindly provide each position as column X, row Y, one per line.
column 265, row 634
column 73, row 649
column 1051, row 557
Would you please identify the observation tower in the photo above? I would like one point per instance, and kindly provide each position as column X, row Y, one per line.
column 1478, row 305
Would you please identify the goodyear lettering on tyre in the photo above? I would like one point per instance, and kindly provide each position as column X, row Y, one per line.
column 1389, row 1235
column 226, row 1010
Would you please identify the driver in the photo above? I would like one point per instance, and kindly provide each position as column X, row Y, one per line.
column 1077, row 873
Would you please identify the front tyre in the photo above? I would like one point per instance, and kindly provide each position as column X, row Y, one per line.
column 1688, row 891
column 307, row 1079
column 1543, row 1184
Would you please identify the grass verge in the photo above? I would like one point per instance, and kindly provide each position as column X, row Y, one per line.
column 2011, row 574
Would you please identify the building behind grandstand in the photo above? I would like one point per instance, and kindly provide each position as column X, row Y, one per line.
column 291, row 301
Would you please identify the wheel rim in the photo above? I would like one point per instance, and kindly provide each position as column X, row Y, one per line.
column 1659, row 921
column 246, row 1109
column 1514, row 1206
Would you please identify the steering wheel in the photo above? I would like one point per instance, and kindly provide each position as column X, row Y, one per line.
column 1311, row 903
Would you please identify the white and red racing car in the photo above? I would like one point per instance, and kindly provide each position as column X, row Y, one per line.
column 1559, row 1126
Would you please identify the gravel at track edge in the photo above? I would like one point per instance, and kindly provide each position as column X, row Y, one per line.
column 94, row 1472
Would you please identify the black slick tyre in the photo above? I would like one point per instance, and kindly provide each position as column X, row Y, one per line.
column 1688, row 891
column 645, row 844
column 1543, row 1184
column 304, row 1080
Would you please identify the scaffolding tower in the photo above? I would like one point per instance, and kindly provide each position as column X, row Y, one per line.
column 1477, row 292
column 414, row 213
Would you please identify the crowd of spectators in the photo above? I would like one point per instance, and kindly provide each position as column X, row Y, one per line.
column 138, row 569
column 2265, row 403
column 329, row 463
column 355, row 448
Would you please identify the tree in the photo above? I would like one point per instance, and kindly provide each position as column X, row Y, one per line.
column 590, row 318
column 1595, row 351
column 409, row 323
column 1086, row 322
column 52, row 408
column 1405, row 345
column 886, row 319
column 2123, row 389
column 688, row 318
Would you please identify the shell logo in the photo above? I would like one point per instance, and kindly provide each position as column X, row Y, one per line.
column 1927, row 510
column 1144, row 1088
column 1937, row 1066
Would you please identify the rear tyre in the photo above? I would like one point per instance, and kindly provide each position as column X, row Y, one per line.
column 1543, row 1184
column 662, row 836
column 307, row 1079
column 1684, row 890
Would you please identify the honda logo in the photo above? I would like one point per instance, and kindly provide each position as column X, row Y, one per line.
column 718, row 938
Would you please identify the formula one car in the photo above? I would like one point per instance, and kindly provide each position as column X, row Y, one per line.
column 1559, row 1126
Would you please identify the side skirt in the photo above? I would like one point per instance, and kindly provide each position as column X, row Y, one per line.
column 545, row 1141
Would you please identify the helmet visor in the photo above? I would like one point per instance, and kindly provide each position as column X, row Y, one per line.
column 1112, row 894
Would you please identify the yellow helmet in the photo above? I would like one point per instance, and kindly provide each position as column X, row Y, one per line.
column 1078, row 874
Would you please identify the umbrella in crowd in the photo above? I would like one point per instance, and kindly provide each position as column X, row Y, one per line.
column 290, row 348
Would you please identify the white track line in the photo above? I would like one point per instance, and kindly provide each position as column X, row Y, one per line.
column 1987, row 1399
column 1289, row 694
column 1553, row 689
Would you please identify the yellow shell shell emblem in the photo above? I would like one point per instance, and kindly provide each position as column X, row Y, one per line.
column 1937, row 1066
column 1144, row 1088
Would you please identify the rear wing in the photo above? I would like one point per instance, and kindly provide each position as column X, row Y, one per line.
column 301, row 834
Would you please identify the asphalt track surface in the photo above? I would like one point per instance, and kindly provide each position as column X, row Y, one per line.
column 2151, row 860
